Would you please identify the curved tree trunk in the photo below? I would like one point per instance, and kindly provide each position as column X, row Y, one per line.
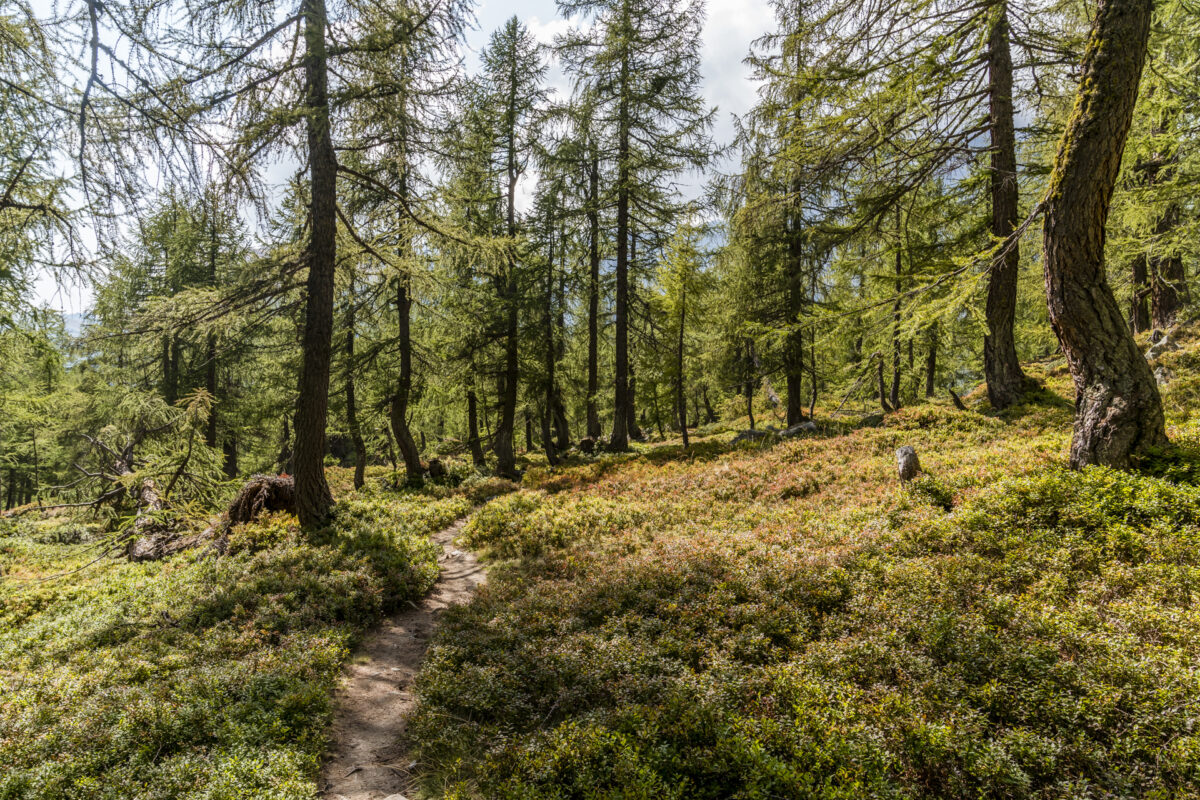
column 1005, row 380
column 1118, row 413
column 313, row 499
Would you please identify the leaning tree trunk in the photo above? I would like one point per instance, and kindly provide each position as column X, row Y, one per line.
column 313, row 499
column 1118, row 413
column 1002, row 370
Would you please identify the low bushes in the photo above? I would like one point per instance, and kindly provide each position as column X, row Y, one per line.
column 196, row 677
column 1038, row 641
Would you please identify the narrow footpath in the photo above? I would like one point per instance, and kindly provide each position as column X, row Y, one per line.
column 372, row 707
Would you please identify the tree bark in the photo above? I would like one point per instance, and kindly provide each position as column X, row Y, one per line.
column 313, row 499
column 1001, row 368
column 1118, row 412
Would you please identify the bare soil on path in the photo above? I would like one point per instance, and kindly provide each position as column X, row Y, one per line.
column 366, row 760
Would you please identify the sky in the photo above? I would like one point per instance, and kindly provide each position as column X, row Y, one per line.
column 730, row 27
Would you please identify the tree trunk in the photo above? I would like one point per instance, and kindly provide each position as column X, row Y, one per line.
column 1166, row 274
column 883, row 401
column 622, row 407
column 313, row 499
column 931, row 361
column 230, row 448
column 1002, row 370
column 210, row 355
column 473, row 443
column 680, row 400
column 593, row 319
column 360, row 447
column 1118, row 413
column 899, row 287
column 398, row 408
column 709, row 412
column 1139, row 305
column 551, row 354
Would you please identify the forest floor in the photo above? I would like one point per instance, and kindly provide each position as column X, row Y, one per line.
column 372, row 705
column 785, row 619
column 755, row 620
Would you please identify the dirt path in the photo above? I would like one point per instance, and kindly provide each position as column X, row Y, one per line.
column 365, row 760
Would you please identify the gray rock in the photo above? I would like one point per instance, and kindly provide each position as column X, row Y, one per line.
column 808, row 426
column 1164, row 344
column 752, row 436
column 1162, row 375
column 907, row 463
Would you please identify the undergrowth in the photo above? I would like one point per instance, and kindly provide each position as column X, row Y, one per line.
column 196, row 677
column 787, row 621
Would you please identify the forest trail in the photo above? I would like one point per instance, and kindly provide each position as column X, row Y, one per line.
column 366, row 760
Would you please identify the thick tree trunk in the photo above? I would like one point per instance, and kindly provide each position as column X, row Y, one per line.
column 593, row 318
column 1118, row 413
column 398, row 409
column 1002, row 370
column 313, row 499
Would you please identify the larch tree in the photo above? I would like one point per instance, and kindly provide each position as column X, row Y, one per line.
column 1118, row 412
column 640, row 60
column 515, row 70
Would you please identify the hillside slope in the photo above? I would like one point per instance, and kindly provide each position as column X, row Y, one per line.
column 785, row 620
